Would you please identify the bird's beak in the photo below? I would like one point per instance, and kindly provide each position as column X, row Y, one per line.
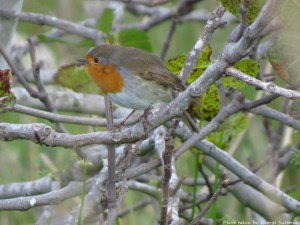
column 83, row 61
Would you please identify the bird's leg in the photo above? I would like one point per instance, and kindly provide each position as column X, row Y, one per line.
column 126, row 118
column 190, row 122
column 144, row 118
column 146, row 112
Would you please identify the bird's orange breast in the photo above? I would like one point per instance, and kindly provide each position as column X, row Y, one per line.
column 106, row 77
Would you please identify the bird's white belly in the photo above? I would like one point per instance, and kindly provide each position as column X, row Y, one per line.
column 140, row 94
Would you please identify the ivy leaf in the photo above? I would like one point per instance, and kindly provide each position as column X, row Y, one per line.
column 234, row 125
column 234, row 6
column 247, row 66
column 75, row 77
column 7, row 98
column 207, row 106
column 175, row 64
column 135, row 38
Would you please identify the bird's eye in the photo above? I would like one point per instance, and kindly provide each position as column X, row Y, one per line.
column 96, row 60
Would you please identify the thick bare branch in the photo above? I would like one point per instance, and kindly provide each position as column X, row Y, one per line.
column 35, row 187
column 55, row 197
column 64, row 101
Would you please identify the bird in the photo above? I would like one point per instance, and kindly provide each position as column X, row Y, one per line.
column 131, row 77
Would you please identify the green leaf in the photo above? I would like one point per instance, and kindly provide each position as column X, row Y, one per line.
column 104, row 22
column 175, row 64
column 230, row 129
column 7, row 98
column 207, row 106
column 247, row 66
column 234, row 6
column 75, row 77
column 204, row 58
column 135, row 38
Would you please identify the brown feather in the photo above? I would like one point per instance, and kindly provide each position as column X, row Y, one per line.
column 150, row 67
column 164, row 77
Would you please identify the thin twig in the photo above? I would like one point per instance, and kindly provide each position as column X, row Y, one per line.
column 270, row 87
column 68, row 26
column 137, row 206
column 92, row 200
column 248, row 105
column 222, row 95
column 279, row 133
column 53, row 117
column 158, row 15
column 167, row 163
column 247, row 176
column 212, row 200
column 205, row 177
column 48, row 210
column 111, row 178
column 211, row 25
column 238, row 32
column 18, row 52
column 235, row 106
column 123, row 190
column 169, row 38
column 43, row 94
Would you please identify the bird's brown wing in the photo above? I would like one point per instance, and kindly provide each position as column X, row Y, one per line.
column 164, row 77
column 150, row 67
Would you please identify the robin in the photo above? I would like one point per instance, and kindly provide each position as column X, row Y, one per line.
column 131, row 77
